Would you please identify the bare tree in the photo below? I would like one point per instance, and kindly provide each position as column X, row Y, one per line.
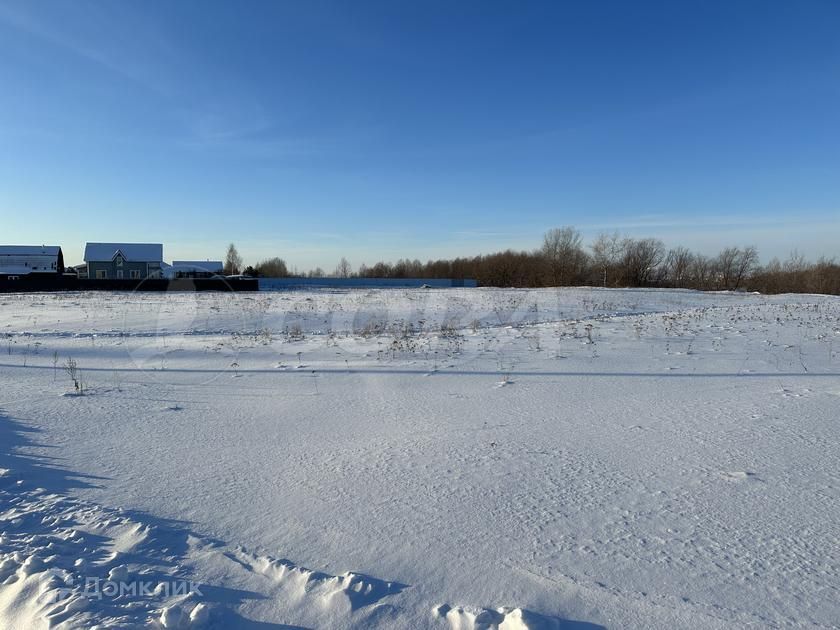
column 702, row 272
column 343, row 270
column 617, row 262
column 563, row 254
column 826, row 276
column 606, row 254
column 727, row 260
column 734, row 266
column 797, row 275
column 678, row 264
column 641, row 260
column 233, row 261
column 272, row 268
column 796, row 263
column 746, row 265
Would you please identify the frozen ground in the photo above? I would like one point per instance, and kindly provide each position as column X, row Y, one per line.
column 420, row 459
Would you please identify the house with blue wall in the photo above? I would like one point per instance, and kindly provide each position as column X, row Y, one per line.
column 130, row 261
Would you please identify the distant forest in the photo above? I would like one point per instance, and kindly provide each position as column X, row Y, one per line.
column 610, row 261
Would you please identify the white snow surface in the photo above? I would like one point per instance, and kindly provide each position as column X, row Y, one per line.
column 458, row 458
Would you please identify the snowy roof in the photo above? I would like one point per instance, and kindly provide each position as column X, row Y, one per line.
column 202, row 265
column 29, row 250
column 137, row 252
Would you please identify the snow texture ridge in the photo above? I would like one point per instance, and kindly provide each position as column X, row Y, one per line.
column 405, row 459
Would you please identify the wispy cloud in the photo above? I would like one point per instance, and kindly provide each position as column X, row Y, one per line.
column 228, row 135
column 206, row 110
column 699, row 220
column 101, row 34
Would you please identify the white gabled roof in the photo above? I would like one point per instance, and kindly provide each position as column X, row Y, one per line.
column 29, row 250
column 132, row 252
column 199, row 265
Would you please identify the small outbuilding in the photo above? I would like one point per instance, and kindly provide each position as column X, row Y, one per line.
column 134, row 261
column 195, row 269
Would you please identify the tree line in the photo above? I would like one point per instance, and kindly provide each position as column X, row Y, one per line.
column 610, row 261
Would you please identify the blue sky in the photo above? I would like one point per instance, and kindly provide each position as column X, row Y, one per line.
column 312, row 130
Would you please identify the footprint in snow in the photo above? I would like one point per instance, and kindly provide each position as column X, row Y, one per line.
column 789, row 393
column 740, row 475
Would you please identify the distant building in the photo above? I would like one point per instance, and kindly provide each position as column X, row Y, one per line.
column 22, row 260
column 194, row 269
column 135, row 261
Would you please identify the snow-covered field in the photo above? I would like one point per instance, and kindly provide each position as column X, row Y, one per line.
column 476, row 458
